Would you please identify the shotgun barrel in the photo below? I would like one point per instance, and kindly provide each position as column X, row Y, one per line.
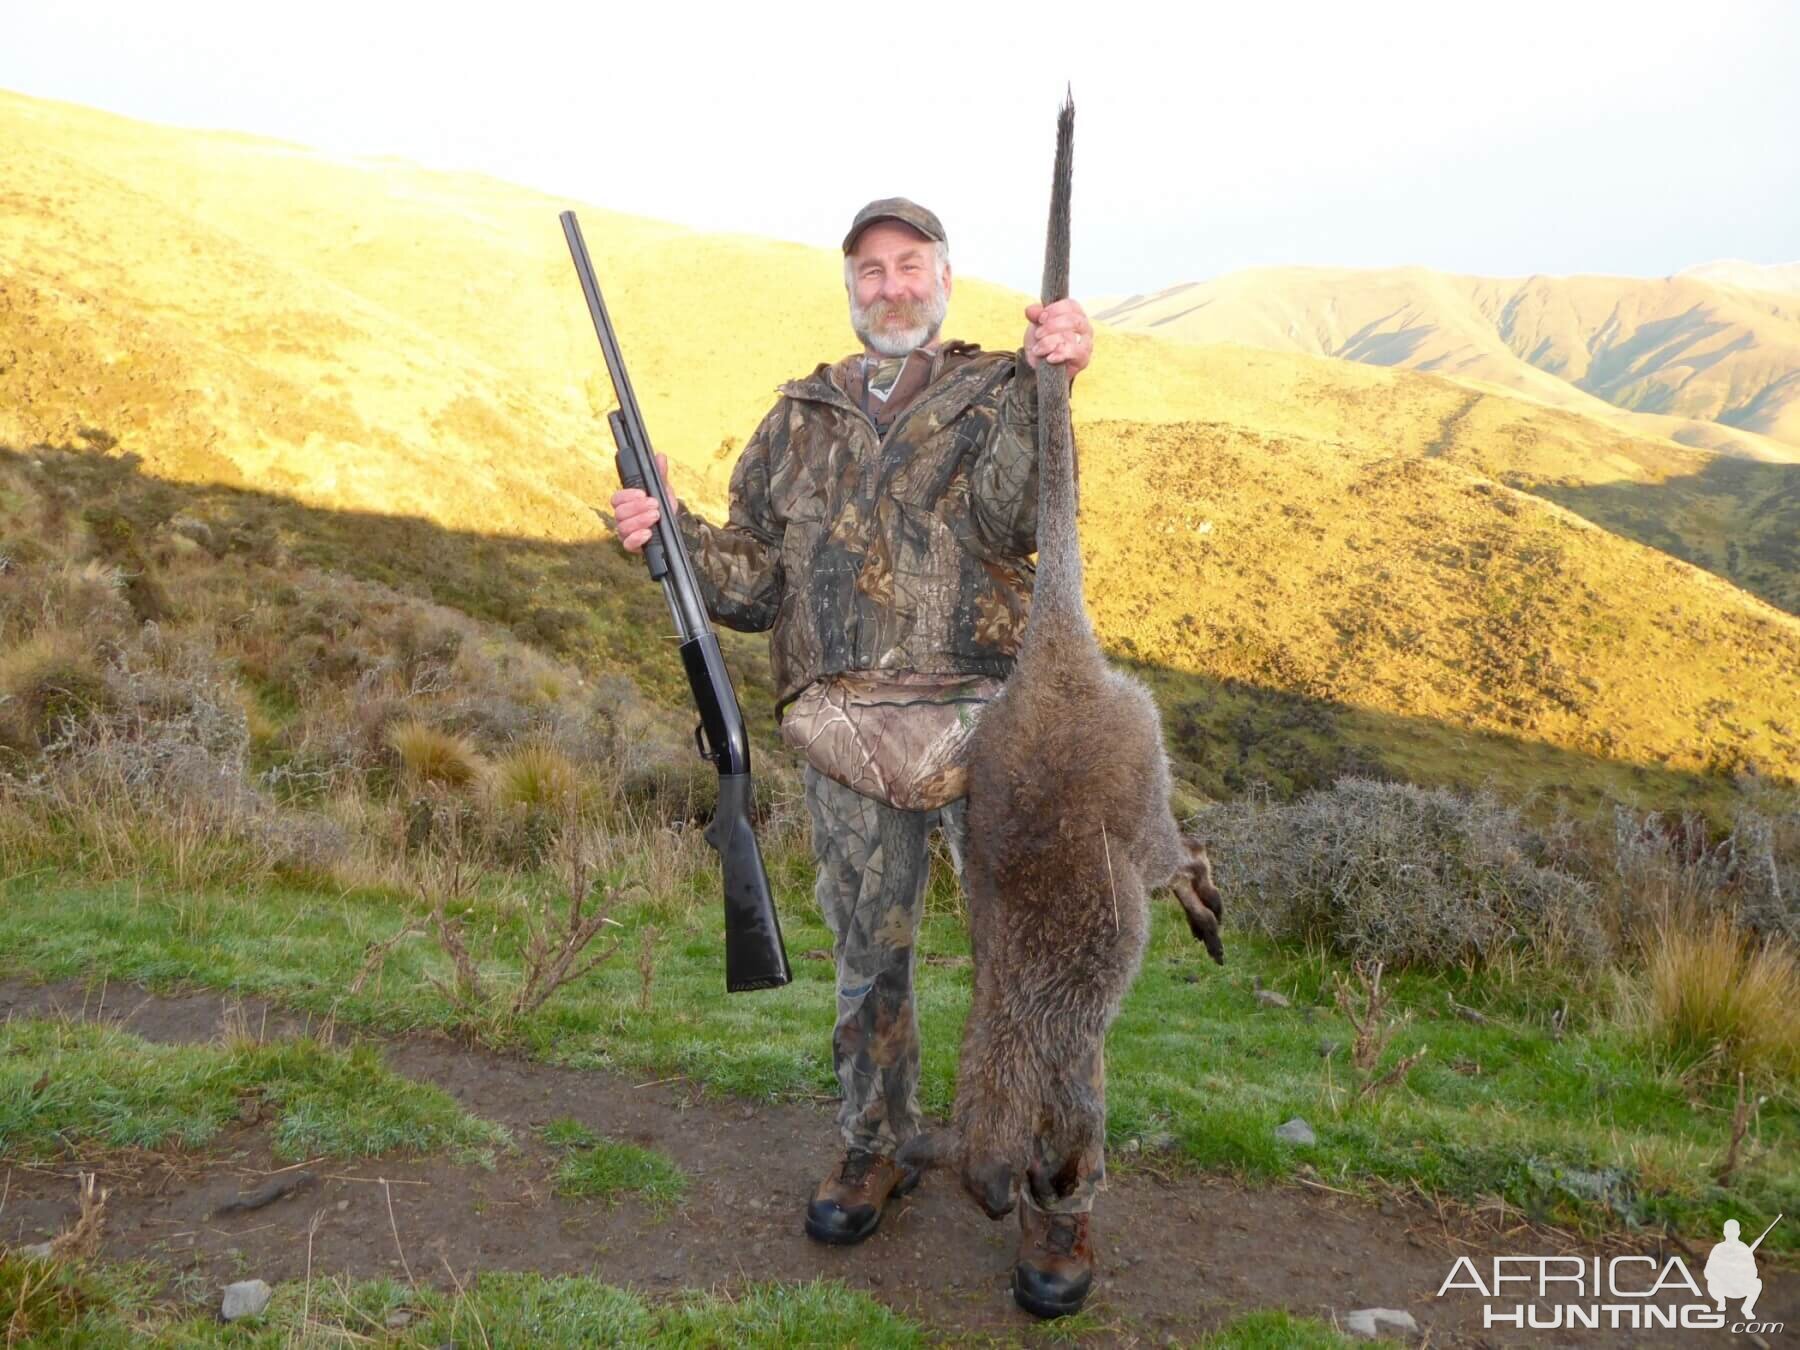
column 754, row 955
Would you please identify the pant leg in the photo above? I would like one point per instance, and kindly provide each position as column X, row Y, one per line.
column 872, row 864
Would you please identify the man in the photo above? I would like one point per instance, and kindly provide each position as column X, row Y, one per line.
column 881, row 522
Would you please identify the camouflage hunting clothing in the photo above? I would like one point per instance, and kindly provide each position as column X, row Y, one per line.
column 904, row 551
column 873, row 866
column 897, row 736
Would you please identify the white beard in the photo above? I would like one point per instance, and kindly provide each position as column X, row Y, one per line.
column 900, row 341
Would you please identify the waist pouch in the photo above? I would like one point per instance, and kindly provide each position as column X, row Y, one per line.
column 900, row 737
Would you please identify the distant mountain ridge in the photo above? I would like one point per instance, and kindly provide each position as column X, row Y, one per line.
column 1695, row 358
column 1781, row 278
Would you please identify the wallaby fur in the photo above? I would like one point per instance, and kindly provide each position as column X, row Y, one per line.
column 1069, row 830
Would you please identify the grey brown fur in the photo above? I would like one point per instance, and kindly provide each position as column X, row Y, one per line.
column 1069, row 831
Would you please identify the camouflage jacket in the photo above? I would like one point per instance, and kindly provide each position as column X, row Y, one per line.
column 907, row 552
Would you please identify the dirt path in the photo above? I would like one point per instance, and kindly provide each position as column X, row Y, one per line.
column 1175, row 1257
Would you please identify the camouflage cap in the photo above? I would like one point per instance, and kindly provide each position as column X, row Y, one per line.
column 895, row 208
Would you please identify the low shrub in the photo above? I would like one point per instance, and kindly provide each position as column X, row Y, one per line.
column 1401, row 874
column 1669, row 866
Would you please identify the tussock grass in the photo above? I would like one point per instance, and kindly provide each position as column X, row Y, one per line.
column 537, row 777
column 49, row 680
column 430, row 757
column 280, row 720
column 1715, row 999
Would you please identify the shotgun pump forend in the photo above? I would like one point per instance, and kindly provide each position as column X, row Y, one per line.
column 754, row 955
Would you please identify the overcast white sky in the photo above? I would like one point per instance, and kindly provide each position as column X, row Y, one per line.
column 1497, row 138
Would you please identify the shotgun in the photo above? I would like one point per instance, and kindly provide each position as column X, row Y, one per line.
column 754, row 955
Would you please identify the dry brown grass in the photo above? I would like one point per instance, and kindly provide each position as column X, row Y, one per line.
column 537, row 777
column 51, row 678
column 1716, row 1000
column 86, row 597
column 432, row 757
column 558, row 943
column 81, row 1239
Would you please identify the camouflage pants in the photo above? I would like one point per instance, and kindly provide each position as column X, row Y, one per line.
column 873, row 865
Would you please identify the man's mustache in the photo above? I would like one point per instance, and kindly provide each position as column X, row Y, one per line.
column 911, row 310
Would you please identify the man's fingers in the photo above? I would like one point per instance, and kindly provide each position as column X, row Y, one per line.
column 635, row 519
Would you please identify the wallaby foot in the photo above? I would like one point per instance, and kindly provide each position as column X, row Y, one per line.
column 1193, row 887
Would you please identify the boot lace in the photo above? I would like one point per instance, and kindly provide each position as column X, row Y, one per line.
column 1064, row 1230
column 856, row 1166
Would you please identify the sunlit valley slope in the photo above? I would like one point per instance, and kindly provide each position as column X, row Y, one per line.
column 1417, row 560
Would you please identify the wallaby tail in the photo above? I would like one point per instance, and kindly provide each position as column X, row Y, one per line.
column 928, row 1149
column 1056, row 238
column 1057, row 593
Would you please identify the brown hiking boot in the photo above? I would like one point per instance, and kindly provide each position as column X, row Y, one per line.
column 1056, row 1262
column 847, row 1206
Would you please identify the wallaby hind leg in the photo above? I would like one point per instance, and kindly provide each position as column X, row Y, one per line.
column 997, row 1106
column 1068, row 1154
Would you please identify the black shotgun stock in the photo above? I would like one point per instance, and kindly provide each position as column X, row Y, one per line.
column 754, row 955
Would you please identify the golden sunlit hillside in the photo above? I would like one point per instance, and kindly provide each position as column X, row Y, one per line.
column 369, row 336
column 1692, row 358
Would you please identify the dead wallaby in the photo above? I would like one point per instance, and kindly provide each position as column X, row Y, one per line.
column 1069, row 830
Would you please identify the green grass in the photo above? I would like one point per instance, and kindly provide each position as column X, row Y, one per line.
column 1198, row 1072
column 566, row 1132
column 609, row 1169
column 108, row 1308
column 1276, row 1330
column 67, row 1083
column 118, row 1306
